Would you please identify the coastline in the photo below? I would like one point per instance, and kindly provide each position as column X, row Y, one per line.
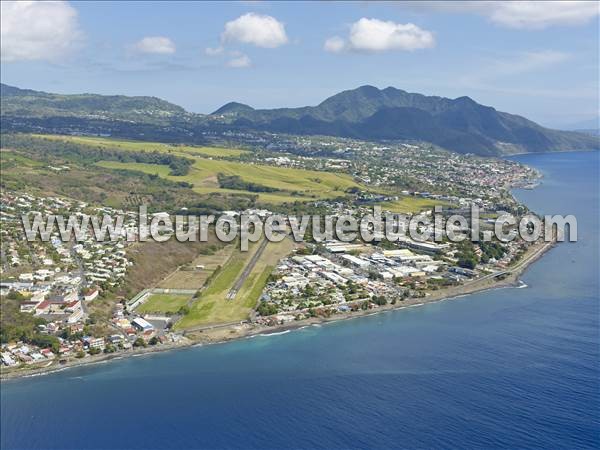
column 236, row 332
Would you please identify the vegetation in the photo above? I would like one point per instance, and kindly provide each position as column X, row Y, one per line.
column 266, row 309
column 18, row 326
column 491, row 250
column 410, row 204
column 141, row 146
column 366, row 113
column 236, row 182
column 213, row 304
column 163, row 303
column 87, row 154
column 283, row 184
column 466, row 256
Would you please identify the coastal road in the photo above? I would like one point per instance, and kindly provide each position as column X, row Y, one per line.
column 240, row 281
column 524, row 262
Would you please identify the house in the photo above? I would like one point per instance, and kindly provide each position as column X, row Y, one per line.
column 76, row 328
column 116, row 339
column 43, row 307
column 7, row 359
column 47, row 353
column 95, row 343
column 76, row 314
column 91, row 294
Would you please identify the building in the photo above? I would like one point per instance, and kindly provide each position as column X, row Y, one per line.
column 142, row 324
column 358, row 262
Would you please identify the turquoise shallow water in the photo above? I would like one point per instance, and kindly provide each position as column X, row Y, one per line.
column 508, row 368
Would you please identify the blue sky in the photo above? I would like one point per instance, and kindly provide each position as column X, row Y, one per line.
column 539, row 60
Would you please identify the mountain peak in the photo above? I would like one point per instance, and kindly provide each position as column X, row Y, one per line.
column 233, row 108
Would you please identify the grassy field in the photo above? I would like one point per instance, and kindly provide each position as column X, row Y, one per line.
column 140, row 146
column 163, row 303
column 307, row 184
column 291, row 184
column 189, row 277
column 213, row 307
column 411, row 204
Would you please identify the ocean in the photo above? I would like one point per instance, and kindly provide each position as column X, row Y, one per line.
column 506, row 368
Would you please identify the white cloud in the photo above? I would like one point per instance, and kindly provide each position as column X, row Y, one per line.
column 159, row 45
column 256, row 29
column 334, row 44
column 374, row 35
column 38, row 30
column 535, row 14
column 214, row 51
column 522, row 14
column 239, row 62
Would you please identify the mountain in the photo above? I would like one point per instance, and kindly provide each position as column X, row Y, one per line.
column 28, row 103
column 460, row 124
column 367, row 113
column 146, row 118
column 233, row 108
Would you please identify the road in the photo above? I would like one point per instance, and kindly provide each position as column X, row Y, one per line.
column 212, row 327
column 240, row 281
column 517, row 266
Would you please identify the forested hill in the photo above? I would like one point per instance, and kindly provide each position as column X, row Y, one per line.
column 460, row 124
column 368, row 113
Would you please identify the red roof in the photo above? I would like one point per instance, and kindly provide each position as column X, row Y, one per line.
column 43, row 305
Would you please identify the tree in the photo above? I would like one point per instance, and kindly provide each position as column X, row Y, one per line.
column 379, row 300
column 267, row 309
column 110, row 349
column 139, row 342
column 153, row 340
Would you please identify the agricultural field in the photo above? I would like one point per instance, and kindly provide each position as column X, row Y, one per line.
column 291, row 184
column 163, row 303
column 280, row 184
column 140, row 146
column 90, row 183
column 213, row 305
column 411, row 204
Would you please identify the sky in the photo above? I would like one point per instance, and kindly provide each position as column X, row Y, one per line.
column 536, row 59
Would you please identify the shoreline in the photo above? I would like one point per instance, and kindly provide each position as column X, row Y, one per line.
column 231, row 333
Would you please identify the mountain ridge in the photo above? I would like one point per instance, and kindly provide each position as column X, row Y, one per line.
column 459, row 124
column 367, row 113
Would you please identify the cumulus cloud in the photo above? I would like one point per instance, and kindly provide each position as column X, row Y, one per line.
column 522, row 14
column 159, row 45
column 374, row 35
column 38, row 30
column 239, row 62
column 256, row 29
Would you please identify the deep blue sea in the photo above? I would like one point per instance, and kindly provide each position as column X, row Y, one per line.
column 508, row 368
